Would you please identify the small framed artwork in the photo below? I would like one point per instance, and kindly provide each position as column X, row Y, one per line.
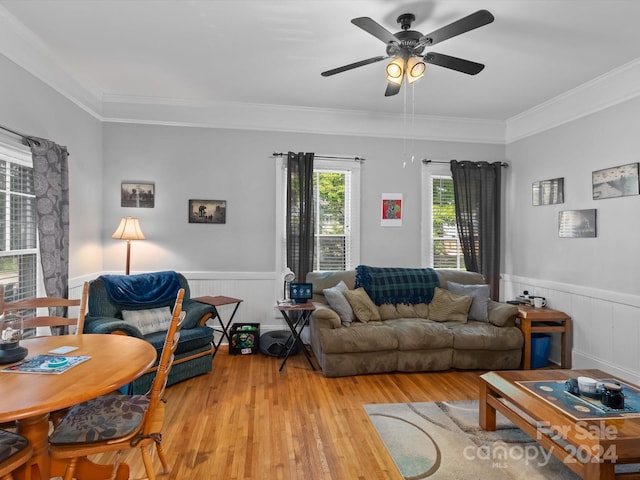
column 615, row 182
column 137, row 194
column 207, row 211
column 391, row 215
column 548, row 192
column 577, row 223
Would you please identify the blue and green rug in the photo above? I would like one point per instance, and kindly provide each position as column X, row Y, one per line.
column 443, row 441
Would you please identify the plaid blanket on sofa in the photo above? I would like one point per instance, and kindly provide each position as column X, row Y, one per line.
column 397, row 285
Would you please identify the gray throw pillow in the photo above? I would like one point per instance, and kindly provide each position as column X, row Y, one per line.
column 480, row 294
column 337, row 301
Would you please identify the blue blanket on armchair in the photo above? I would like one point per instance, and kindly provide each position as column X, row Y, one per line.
column 142, row 289
column 397, row 285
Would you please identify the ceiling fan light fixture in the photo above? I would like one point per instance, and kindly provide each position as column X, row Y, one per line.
column 415, row 69
column 395, row 71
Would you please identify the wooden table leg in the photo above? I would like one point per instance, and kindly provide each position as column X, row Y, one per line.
column 566, row 344
column 525, row 326
column 486, row 413
column 594, row 470
column 36, row 429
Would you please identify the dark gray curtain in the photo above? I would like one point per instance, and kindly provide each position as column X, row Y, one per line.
column 476, row 189
column 300, row 212
column 51, row 183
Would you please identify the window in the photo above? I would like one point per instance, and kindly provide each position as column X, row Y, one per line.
column 440, row 233
column 18, row 242
column 333, row 228
column 336, row 185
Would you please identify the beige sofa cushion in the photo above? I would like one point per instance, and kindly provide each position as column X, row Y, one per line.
column 388, row 311
column 326, row 314
column 447, row 306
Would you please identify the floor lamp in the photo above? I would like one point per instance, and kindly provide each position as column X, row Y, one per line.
column 129, row 229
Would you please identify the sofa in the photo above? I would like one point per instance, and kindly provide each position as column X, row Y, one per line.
column 432, row 327
column 139, row 305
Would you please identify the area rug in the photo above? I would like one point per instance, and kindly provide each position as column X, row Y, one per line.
column 443, row 440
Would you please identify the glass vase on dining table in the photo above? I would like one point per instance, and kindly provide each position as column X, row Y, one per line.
column 11, row 331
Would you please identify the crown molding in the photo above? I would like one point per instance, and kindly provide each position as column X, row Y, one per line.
column 612, row 88
column 248, row 116
column 26, row 49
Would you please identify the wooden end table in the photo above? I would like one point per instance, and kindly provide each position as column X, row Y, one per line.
column 215, row 302
column 591, row 447
column 544, row 320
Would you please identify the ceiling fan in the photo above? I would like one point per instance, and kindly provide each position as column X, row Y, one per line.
column 407, row 46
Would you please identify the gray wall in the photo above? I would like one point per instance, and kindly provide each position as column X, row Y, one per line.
column 29, row 106
column 610, row 261
column 594, row 280
column 232, row 165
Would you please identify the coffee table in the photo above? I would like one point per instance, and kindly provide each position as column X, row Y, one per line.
column 588, row 446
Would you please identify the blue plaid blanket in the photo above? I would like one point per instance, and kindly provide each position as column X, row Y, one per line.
column 397, row 285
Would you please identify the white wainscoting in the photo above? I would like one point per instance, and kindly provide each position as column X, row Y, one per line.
column 258, row 290
column 606, row 324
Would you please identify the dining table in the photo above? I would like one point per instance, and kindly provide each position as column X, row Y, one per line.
column 28, row 398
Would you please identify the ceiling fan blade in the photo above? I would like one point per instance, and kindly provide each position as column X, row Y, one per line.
column 392, row 89
column 454, row 63
column 351, row 66
column 374, row 28
column 470, row 22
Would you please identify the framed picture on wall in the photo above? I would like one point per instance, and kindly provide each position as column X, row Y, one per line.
column 391, row 215
column 615, row 182
column 548, row 192
column 207, row 211
column 577, row 223
column 137, row 194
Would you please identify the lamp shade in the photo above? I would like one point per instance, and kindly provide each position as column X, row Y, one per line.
column 129, row 229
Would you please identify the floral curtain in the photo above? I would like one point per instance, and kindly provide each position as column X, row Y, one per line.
column 476, row 189
column 51, row 181
column 300, row 208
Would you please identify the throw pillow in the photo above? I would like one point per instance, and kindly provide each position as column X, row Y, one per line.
column 148, row 321
column 480, row 294
column 447, row 306
column 363, row 307
column 336, row 300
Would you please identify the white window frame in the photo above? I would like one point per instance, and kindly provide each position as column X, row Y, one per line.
column 352, row 217
column 436, row 168
column 14, row 152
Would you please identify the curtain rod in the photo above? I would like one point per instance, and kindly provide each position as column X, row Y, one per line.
column 18, row 134
column 326, row 157
column 427, row 161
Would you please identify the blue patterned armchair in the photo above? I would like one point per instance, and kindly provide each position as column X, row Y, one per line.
column 137, row 305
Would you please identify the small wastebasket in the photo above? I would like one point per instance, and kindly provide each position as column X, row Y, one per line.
column 540, row 345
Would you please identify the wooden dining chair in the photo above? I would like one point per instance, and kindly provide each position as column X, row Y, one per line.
column 118, row 422
column 30, row 305
column 15, row 451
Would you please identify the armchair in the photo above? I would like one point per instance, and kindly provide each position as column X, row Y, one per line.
column 142, row 299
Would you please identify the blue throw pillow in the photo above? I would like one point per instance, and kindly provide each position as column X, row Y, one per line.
column 480, row 294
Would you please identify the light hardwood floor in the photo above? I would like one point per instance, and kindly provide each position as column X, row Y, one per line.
column 247, row 420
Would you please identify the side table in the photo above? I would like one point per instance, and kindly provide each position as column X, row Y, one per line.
column 216, row 302
column 544, row 320
column 296, row 325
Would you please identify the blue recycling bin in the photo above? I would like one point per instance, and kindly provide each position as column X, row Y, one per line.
column 540, row 346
